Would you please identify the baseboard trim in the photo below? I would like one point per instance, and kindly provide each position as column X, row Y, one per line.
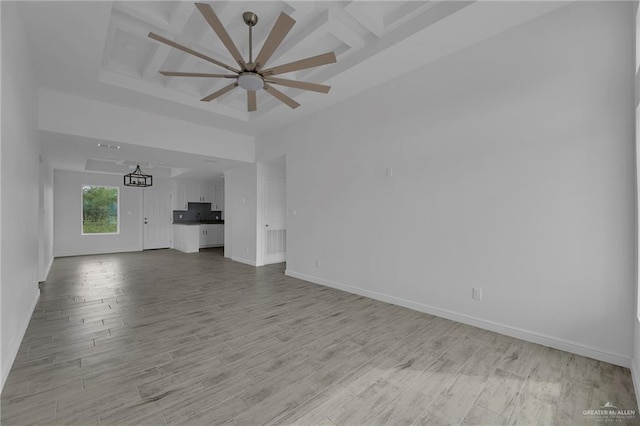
column 530, row 336
column 636, row 379
column 74, row 254
column 245, row 261
column 7, row 363
column 47, row 270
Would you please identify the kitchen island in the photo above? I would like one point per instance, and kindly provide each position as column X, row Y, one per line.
column 191, row 235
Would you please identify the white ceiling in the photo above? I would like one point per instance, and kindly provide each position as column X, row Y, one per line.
column 100, row 50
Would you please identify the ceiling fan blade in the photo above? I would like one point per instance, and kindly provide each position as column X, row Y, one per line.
column 300, row 85
column 252, row 102
column 279, row 31
column 190, row 51
column 219, row 92
column 195, row 74
column 213, row 21
column 314, row 61
column 281, row 96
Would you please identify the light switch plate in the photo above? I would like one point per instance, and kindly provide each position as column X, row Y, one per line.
column 477, row 293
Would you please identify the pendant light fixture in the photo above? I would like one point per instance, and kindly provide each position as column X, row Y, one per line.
column 137, row 178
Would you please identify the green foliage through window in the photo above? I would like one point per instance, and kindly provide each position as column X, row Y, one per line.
column 99, row 210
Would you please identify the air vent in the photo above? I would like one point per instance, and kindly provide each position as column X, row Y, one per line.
column 108, row 145
column 276, row 241
column 147, row 164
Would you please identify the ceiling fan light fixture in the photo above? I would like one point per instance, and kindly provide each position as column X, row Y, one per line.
column 250, row 81
column 251, row 75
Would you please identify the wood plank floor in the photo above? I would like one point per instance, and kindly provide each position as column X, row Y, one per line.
column 161, row 337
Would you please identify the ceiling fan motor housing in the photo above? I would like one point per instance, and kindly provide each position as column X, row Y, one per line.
column 250, row 18
column 251, row 81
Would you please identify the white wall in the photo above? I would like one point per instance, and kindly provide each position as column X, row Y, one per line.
column 512, row 171
column 45, row 221
column 68, row 237
column 2, row 336
column 19, row 187
column 244, row 212
column 241, row 214
column 75, row 115
column 635, row 364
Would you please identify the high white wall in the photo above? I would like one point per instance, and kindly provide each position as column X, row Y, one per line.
column 68, row 237
column 635, row 364
column 75, row 115
column 45, row 221
column 19, row 179
column 512, row 171
column 240, row 225
column 2, row 337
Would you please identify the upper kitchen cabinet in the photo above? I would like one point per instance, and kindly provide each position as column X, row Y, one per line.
column 218, row 199
column 207, row 192
column 194, row 192
column 181, row 196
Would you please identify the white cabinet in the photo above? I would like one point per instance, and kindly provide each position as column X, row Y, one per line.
column 185, row 238
column 207, row 192
column 181, row 196
column 193, row 192
column 220, row 235
column 207, row 235
column 211, row 235
column 218, row 199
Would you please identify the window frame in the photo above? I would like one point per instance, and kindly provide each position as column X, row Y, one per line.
column 117, row 188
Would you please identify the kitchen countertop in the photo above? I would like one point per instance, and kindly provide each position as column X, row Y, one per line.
column 200, row 222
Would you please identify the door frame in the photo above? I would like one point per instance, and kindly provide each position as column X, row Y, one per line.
column 144, row 218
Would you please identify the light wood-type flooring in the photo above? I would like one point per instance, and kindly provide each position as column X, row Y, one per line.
column 161, row 337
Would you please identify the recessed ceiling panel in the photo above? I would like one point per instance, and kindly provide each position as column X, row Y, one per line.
column 130, row 53
column 357, row 32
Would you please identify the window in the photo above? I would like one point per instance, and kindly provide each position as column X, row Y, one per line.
column 100, row 209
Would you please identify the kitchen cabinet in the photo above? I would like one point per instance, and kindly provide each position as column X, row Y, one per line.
column 189, row 238
column 207, row 193
column 193, row 192
column 220, row 235
column 211, row 235
column 181, row 196
column 218, row 199
column 185, row 238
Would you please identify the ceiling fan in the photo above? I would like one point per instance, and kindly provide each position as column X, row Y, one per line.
column 252, row 76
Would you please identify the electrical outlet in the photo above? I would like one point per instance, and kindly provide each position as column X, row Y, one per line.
column 477, row 293
column 318, row 263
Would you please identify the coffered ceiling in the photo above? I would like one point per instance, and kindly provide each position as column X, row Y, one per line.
column 101, row 49
column 353, row 30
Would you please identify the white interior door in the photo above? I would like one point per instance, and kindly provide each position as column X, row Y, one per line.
column 157, row 219
column 275, row 237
